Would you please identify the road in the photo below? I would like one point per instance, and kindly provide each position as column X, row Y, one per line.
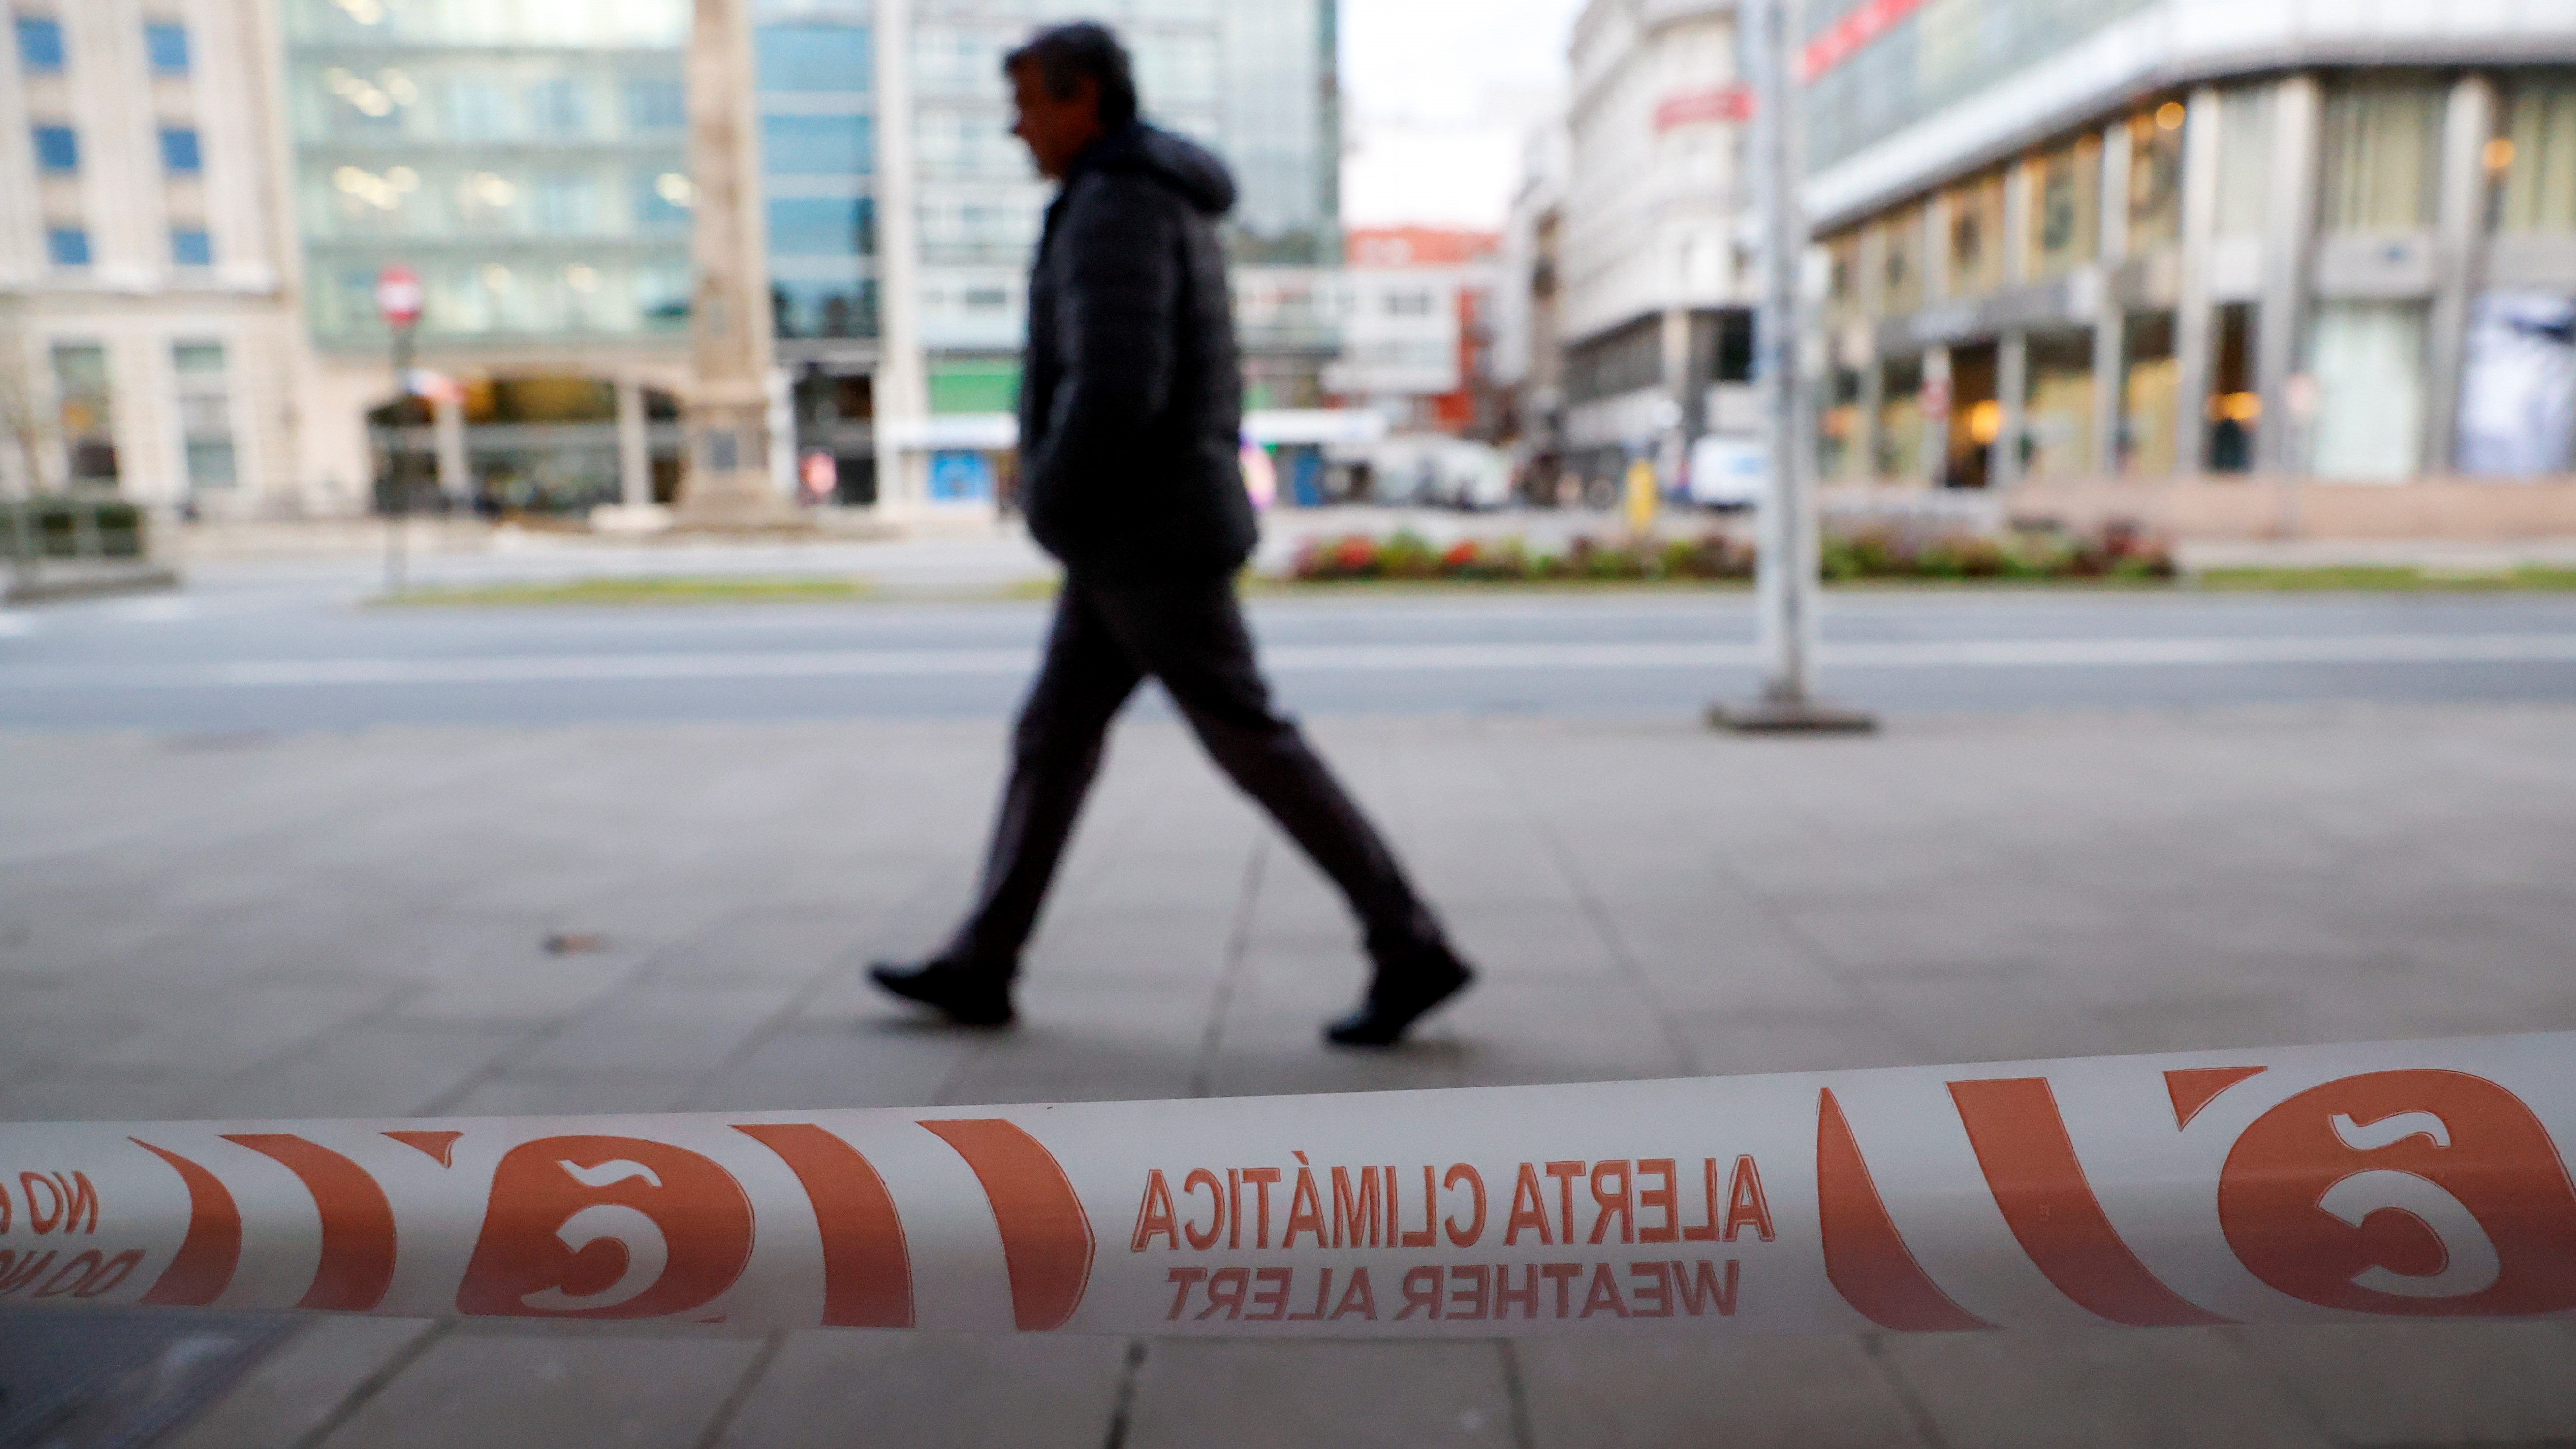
column 285, row 652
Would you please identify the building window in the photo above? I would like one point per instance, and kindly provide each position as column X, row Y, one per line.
column 87, row 411
column 656, row 105
column 833, row 58
column 2368, row 360
column 205, row 413
column 1408, row 304
column 166, row 43
column 180, row 153
column 2057, row 413
column 662, row 202
column 807, row 227
column 57, row 148
column 2155, row 177
column 1901, row 270
column 2066, row 207
column 2382, row 157
column 1977, row 236
column 558, row 108
column 2537, row 155
column 192, row 246
column 40, row 44
column 817, row 145
column 67, row 246
column 2244, row 161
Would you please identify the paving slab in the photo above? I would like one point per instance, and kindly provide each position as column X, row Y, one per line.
column 522, row 1389
column 2104, row 1388
column 1294, row 1395
column 2429, row 1383
column 303, row 1385
column 829, row 1389
column 1643, row 1393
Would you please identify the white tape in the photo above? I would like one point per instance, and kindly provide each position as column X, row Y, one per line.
column 2305, row 1185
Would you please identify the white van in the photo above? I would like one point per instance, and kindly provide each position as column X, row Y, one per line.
column 1728, row 472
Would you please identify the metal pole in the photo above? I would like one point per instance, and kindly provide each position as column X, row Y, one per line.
column 1786, row 572
column 398, row 467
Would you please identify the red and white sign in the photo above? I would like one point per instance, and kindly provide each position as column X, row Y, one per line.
column 1846, row 37
column 2301, row 1185
column 1692, row 108
column 399, row 295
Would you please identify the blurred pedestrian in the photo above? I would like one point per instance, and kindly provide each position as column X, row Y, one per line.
column 1131, row 410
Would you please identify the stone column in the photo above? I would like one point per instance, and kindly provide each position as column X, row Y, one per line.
column 2012, row 347
column 1870, row 297
column 2468, row 123
column 724, row 476
column 2194, row 333
column 2111, row 312
column 634, row 447
column 2289, row 235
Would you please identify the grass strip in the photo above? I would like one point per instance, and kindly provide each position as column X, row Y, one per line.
column 2386, row 579
column 625, row 592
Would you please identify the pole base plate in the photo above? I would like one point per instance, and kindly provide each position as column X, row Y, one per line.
column 1790, row 717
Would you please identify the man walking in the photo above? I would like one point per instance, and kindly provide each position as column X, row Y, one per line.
column 1131, row 406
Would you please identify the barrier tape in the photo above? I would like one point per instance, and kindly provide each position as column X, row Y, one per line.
column 2299, row 1185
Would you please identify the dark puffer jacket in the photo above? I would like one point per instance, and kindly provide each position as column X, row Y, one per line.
column 1131, row 402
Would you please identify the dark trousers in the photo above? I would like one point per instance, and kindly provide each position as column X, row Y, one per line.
column 1190, row 635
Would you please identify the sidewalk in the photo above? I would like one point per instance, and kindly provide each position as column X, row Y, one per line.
column 339, row 925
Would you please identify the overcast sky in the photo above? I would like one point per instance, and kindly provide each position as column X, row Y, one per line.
column 1437, row 96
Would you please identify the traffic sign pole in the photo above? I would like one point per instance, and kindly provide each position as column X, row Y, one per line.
column 399, row 299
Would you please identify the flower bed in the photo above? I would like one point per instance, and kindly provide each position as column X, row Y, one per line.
column 2117, row 552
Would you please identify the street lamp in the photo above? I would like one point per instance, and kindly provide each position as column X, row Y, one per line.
column 1786, row 574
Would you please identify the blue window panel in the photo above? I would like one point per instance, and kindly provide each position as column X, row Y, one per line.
column 839, row 227
column 816, row 58
column 655, row 211
column 40, row 44
column 656, row 105
column 68, row 246
column 180, row 153
column 192, row 247
column 57, row 148
column 824, row 309
column 818, row 145
column 167, row 44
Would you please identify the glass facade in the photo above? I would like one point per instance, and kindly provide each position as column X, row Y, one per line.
column 1935, row 52
column 529, row 161
column 1252, row 79
column 817, row 98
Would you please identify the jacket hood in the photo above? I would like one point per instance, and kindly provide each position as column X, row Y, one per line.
column 1186, row 167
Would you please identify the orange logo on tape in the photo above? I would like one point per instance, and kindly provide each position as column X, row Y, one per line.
column 606, row 1227
column 2419, row 1193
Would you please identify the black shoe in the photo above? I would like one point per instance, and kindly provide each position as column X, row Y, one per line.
column 1398, row 998
column 965, row 995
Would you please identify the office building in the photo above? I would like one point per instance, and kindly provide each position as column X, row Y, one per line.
column 147, row 338
column 1654, row 278
column 2155, row 240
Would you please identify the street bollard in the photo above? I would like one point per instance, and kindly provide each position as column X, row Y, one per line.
column 2292, row 1185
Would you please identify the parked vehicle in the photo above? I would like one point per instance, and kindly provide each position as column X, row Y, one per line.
column 1728, row 472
